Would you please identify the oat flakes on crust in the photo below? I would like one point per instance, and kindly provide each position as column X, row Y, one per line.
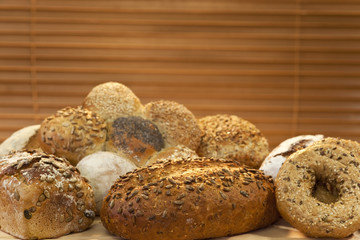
column 231, row 137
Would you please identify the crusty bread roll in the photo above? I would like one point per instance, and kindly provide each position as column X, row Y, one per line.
column 189, row 199
column 112, row 100
column 102, row 169
column 231, row 137
column 73, row 133
column 171, row 153
column 278, row 155
column 135, row 138
column 24, row 138
column 318, row 191
column 43, row 196
column 176, row 123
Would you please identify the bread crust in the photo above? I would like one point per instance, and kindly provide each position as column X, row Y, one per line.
column 317, row 190
column 230, row 137
column 112, row 100
column 171, row 153
column 189, row 199
column 134, row 138
column 43, row 196
column 176, row 123
column 72, row 133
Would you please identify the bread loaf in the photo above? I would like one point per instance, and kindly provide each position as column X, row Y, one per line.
column 176, row 123
column 24, row 138
column 102, row 169
column 112, row 100
column 43, row 196
column 72, row 133
column 230, row 137
column 171, row 153
column 189, row 199
column 134, row 138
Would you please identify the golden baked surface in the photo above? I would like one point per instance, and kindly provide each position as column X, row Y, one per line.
column 231, row 137
column 176, row 123
column 72, row 133
column 189, row 199
column 43, row 196
column 318, row 191
column 112, row 100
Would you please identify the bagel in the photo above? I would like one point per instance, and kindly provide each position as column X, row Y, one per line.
column 317, row 190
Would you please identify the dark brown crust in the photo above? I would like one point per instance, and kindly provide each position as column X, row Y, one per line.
column 50, row 197
column 189, row 199
column 135, row 137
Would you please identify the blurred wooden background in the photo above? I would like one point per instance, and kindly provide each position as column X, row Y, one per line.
column 290, row 67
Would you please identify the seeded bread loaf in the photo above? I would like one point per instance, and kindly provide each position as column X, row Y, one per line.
column 72, row 133
column 43, row 196
column 176, row 123
column 111, row 100
column 189, row 199
column 24, row 138
column 230, row 137
column 134, row 138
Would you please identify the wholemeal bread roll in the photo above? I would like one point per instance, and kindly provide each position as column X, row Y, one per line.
column 176, row 123
column 112, row 100
column 43, row 196
column 318, row 190
column 135, row 138
column 231, row 137
column 102, row 169
column 24, row 138
column 189, row 199
column 278, row 155
column 73, row 133
column 171, row 153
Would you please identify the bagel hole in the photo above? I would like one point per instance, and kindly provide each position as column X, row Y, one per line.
column 325, row 190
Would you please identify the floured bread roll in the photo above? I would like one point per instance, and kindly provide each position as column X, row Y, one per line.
column 172, row 153
column 277, row 157
column 43, row 196
column 102, row 169
column 176, row 123
column 112, row 100
column 135, row 138
column 73, row 133
column 231, row 137
column 24, row 138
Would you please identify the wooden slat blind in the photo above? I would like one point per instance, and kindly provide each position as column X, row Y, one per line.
column 289, row 66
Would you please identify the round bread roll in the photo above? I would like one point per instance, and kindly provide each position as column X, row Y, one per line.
column 171, row 153
column 176, row 123
column 135, row 138
column 112, row 100
column 24, row 138
column 231, row 137
column 318, row 191
column 102, row 169
column 278, row 155
column 73, row 133
column 189, row 199
column 43, row 196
